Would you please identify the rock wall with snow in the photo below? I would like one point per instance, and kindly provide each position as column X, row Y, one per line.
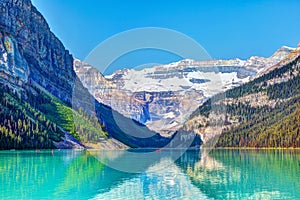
column 163, row 97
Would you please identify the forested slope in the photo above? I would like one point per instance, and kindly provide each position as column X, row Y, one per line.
column 262, row 113
column 37, row 119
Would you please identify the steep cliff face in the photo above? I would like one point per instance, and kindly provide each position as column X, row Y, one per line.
column 162, row 111
column 32, row 52
column 13, row 66
column 42, row 94
column 163, row 97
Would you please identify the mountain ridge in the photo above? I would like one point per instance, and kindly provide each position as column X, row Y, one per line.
column 261, row 113
column 45, row 104
column 38, row 81
column 163, row 96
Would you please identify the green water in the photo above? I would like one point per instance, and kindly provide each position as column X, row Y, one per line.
column 223, row 174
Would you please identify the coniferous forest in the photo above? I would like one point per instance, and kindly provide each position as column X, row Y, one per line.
column 263, row 126
column 36, row 120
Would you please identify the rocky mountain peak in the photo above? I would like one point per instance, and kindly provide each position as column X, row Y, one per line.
column 282, row 52
column 33, row 52
column 176, row 89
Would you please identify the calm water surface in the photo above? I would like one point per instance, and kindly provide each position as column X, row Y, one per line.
column 223, row 174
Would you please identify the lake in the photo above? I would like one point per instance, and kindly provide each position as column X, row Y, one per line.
column 221, row 174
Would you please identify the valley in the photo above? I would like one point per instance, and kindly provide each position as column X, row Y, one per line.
column 163, row 97
column 49, row 99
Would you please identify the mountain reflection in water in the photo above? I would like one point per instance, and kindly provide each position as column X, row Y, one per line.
column 222, row 174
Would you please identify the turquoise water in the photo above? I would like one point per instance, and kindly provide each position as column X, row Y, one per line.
column 223, row 174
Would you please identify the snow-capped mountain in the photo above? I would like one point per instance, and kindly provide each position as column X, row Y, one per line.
column 164, row 96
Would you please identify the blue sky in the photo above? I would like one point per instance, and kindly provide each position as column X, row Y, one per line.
column 226, row 29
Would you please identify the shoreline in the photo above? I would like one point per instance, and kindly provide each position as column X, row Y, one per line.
column 217, row 148
column 260, row 148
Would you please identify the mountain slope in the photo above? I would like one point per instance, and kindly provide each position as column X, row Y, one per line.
column 37, row 74
column 35, row 119
column 262, row 113
column 38, row 81
column 162, row 97
column 32, row 52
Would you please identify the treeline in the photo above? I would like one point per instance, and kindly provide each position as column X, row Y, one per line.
column 83, row 126
column 284, row 90
column 22, row 126
column 31, row 119
column 89, row 128
column 263, row 126
column 259, row 84
column 266, row 126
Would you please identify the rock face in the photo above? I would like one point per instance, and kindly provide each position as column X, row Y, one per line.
column 12, row 65
column 32, row 52
column 261, row 113
column 32, row 56
column 163, row 97
column 162, row 111
column 32, row 59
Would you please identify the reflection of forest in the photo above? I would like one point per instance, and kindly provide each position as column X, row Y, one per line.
column 80, row 175
column 245, row 173
column 57, row 174
column 221, row 174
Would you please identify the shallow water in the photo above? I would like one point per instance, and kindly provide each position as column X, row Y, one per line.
column 222, row 174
